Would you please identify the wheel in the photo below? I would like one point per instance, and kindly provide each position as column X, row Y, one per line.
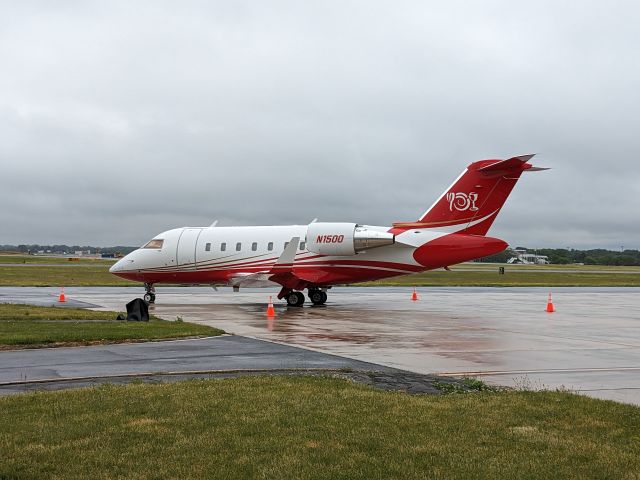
column 292, row 299
column 324, row 297
column 147, row 297
column 295, row 299
column 317, row 297
column 153, row 298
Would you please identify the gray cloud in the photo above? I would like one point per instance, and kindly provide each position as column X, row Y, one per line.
column 122, row 119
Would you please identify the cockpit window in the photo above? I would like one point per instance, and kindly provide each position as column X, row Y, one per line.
column 155, row 243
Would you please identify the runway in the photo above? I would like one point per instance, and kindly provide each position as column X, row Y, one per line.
column 591, row 344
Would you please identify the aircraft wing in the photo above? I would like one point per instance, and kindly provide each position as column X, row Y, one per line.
column 281, row 272
column 250, row 279
column 285, row 261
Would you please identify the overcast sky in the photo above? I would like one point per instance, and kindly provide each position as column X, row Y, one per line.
column 119, row 120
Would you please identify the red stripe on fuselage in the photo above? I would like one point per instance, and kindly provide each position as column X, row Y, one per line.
column 325, row 275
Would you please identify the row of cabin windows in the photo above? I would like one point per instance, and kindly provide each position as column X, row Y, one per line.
column 254, row 246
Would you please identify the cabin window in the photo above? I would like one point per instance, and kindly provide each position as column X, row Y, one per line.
column 270, row 246
column 223, row 247
column 155, row 243
column 207, row 247
column 301, row 245
column 254, row 246
column 238, row 246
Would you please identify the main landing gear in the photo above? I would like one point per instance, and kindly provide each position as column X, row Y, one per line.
column 150, row 296
column 317, row 297
column 296, row 299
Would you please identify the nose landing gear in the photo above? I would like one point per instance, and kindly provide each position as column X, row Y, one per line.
column 150, row 296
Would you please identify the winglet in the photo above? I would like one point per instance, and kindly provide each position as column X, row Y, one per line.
column 285, row 261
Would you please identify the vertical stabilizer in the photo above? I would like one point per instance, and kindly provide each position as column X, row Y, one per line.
column 475, row 198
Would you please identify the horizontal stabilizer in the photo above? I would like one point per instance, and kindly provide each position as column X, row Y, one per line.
column 514, row 163
column 537, row 169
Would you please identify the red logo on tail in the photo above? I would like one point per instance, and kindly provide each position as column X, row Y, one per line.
column 462, row 201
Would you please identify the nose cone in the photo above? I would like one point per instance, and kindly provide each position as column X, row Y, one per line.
column 128, row 267
column 124, row 265
column 116, row 267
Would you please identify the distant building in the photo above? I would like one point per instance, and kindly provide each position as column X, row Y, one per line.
column 525, row 258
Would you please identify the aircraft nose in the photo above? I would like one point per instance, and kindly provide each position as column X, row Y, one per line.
column 124, row 263
column 116, row 266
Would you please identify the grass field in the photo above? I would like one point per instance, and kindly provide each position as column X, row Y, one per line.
column 39, row 271
column 28, row 326
column 51, row 276
column 535, row 277
column 37, row 259
column 312, row 428
column 96, row 273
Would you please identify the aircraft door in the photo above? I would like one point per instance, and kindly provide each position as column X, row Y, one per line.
column 186, row 251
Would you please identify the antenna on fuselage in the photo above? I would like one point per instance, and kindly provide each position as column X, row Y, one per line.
column 314, row 220
column 213, row 224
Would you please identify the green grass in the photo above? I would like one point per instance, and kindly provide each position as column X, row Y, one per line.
column 96, row 273
column 465, row 385
column 467, row 277
column 312, row 428
column 24, row 325
column 37, row 259
column 532, row 267
column 50, row 276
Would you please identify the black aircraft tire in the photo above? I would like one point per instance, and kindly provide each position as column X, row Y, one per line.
column 317, row 297
column 293, row 299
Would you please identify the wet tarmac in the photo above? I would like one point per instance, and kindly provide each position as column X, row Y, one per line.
column 56, row 368
column 590, row 345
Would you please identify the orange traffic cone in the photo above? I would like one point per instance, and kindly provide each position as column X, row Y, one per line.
column 61, row 297
column 550, row 307
column 271, row 312
column 414, row 295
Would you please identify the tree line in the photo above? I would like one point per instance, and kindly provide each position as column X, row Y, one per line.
column 60, row 249
column 563, row 256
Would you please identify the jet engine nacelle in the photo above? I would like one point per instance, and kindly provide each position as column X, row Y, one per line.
column 344, row 238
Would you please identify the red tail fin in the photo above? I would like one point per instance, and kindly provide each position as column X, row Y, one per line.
column 472, row 203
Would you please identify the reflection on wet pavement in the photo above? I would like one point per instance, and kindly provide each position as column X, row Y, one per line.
column 503, row 335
